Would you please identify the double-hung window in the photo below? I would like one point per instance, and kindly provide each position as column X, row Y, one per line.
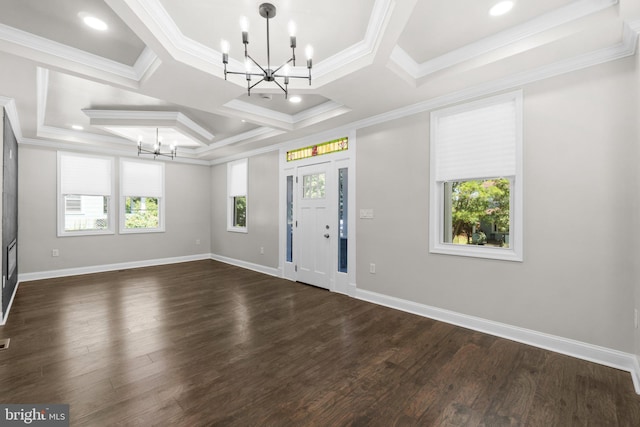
column 141, row 196
column 476, row 179
column 85, row 186
column 237, row 195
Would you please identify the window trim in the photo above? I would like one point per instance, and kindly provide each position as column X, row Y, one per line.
column 436, row 193
column 61, row 206
column 122, row 199
column 231, row 198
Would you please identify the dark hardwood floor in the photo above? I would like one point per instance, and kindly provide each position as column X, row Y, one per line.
column 204, row 343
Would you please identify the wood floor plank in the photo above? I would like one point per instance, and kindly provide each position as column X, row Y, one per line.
column 205, row 343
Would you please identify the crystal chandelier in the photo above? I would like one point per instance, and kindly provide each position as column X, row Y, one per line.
column 267, row 74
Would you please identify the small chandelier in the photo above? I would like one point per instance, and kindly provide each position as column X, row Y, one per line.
column 267, row 11
column 157, row 148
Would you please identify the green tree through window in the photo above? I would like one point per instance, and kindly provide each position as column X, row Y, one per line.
column 240, row 211
column 141, row 212
column 476, row 203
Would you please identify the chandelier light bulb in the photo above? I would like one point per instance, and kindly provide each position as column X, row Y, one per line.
column 247, row 65
column 309, row 51
column 286, row 70
column 224, row 46
column 244, row 24
column 292, row 29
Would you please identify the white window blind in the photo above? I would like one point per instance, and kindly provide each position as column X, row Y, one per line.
column 82, row 175
column 478, row 143
column 238, row 178
column 142, row 179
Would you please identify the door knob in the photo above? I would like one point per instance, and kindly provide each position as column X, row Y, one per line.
column 326, row 235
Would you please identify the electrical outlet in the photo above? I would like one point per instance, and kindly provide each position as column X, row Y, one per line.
column 372, row 268
column 197, row 241
column 55, row 252
column 261, row 250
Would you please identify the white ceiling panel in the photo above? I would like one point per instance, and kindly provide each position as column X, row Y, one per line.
column 60, row 21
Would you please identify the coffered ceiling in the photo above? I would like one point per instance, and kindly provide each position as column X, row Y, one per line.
column 158, row 65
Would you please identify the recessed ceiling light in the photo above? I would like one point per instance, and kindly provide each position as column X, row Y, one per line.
column 295, row 99
column 77, row 127
column 501, row 8
column 93, row 22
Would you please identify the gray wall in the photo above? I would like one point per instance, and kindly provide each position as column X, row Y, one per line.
column 635, row 225
column 188, row 218
column 580, row 146
column 262, row 213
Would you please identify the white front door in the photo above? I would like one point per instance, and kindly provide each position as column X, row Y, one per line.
column 314, row 230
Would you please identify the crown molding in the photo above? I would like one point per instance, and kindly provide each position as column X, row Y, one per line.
column 75, row 56
column 46, row 131
column 159, row 118
column 283, row 119
column 548, row 21
column 245, row 137
column 367, row 46
column 262, row 131
column 176, row 119
column 146, row 64
column 184, row 49
column 9, row 105
column 626, row 48
column 245, row 154
column 317, row 111
column 57, row 145
column 83, row 137
column 42, row 89
column 324, row 111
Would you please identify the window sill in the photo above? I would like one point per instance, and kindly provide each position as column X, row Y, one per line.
column 237, row 229
column 141, row 230
column 85, row 233
column 502, row 254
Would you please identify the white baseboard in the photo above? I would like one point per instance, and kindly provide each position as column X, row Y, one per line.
column 5, row 315
column 592, row 353
column 248, row 265
column 635, row 374
column 25, row 277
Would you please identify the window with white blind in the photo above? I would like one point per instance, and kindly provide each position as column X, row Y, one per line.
column 85, row 186
column 237, row 196
column 141, row 196
column 476, row 179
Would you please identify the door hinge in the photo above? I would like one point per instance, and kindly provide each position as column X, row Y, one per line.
column 296, row 268
column 296, row 179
